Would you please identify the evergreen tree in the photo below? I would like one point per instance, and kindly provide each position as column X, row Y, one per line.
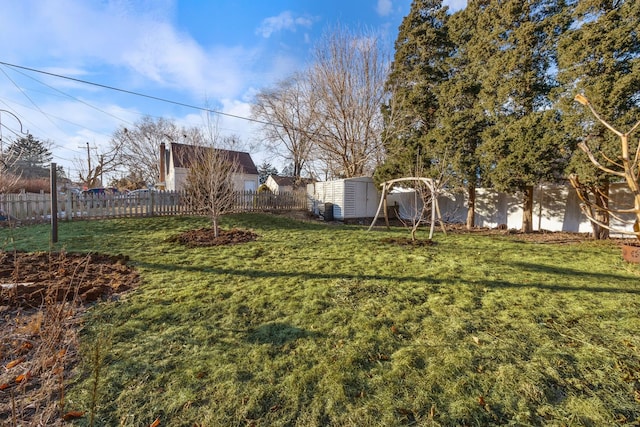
column 599, row 57
column 28, row 157
column 521, row 148
column 416, row 73
column 460, row 118
column 264, row 170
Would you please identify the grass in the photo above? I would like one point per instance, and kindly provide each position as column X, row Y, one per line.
column 315, row 325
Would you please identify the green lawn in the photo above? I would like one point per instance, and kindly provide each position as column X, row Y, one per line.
column 315, row 325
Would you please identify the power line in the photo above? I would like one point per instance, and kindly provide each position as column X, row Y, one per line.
column 72, row 97
column 30, row 100
column 156, row 98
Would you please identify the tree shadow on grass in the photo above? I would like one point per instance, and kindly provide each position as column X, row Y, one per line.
column 564, row 272
column 277, row 334
column 618, row 283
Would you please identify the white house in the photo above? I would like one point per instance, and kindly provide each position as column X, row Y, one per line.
column 286, row 184
column 176, row 159
column 280, row 184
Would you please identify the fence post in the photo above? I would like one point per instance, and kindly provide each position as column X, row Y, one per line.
column 68, row 205
column 150, row 207
column 54, row 205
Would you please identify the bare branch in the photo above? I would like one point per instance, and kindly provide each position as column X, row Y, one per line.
column 210, row 185
column 584, row 101
column 584, row 147
column 290, row 126
column 139, row 145
column 591, row 218
column 348, row 79
column 629, row 172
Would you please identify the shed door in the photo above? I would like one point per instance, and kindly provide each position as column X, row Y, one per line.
column 350, row 199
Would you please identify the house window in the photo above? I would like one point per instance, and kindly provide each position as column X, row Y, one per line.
column 250, row 186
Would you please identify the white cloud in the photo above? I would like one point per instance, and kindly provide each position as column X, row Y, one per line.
column 139, row 44
column 455, row 5
column 284, row 21
column 131, row 45
column 384, row 7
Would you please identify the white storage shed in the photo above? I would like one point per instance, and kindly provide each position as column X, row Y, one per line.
column 352, row 198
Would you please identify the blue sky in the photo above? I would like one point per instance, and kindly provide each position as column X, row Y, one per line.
column 208, row 53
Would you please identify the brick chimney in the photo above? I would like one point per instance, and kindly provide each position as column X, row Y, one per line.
column 163, row 150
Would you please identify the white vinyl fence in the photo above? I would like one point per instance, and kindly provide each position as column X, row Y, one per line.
column 556, row 206
column 33, row 208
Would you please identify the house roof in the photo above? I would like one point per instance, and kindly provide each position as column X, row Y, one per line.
column 290, row 181
column 184, row 154
column 283, row 181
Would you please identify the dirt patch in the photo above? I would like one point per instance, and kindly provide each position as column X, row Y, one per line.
column 30, row 280
column 541, row 236
column 42, row 297
column 207, row 237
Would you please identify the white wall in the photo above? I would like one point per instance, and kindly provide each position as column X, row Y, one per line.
column 556, row 207
column 176, row 179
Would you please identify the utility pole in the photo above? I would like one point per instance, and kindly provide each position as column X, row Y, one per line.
column 101, row 170
column 88, row 157
column 88, row 178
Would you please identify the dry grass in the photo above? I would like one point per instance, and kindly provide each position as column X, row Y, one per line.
column 42, row 300
column 39, row 348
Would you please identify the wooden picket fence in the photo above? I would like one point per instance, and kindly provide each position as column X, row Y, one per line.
column 35, row 208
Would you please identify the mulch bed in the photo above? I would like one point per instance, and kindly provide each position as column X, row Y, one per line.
column 207, row 237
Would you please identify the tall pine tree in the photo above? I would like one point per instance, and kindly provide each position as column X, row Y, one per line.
column 599, row 56
column 521, row 148
column 460, row 120
column 417, row 71
column 28, row 157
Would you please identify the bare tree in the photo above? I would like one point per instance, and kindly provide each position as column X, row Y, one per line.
column 8, row 180
column 348, row 79
column 287, row 112
column 626, row 167
column 8, row 177
column 210, row 184
column 92, row 170
column 139, row 145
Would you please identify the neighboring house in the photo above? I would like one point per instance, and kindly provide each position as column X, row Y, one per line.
column 176, row 160
column 286, row 184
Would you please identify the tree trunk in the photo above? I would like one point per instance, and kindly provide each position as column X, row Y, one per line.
column 216, row 231
column 471, row 207
column 527, row 210
column 601, row 214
